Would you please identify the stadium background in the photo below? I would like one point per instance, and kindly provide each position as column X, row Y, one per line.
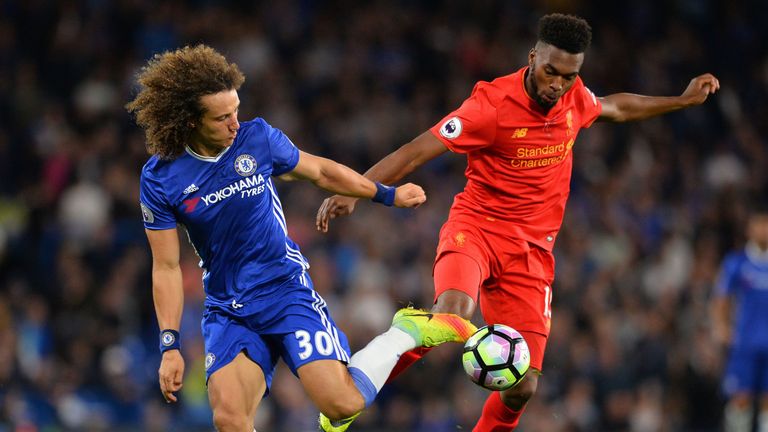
column 654, row 205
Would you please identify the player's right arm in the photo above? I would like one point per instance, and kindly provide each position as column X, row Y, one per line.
column 389, row 170
column 403, row 161
column 168, row 296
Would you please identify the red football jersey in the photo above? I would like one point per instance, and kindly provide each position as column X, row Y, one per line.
column 519, row 159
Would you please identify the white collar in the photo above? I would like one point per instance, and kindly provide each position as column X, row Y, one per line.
column 206, row 158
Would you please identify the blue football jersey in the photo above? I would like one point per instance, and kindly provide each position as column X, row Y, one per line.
column 744, row 276
column 231, row 212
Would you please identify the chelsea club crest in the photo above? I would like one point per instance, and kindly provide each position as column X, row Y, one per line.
column 245, row 165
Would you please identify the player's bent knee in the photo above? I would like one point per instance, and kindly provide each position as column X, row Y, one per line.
column 455, row 302
column 518, row 396
column 331, row 388
column 341, row 408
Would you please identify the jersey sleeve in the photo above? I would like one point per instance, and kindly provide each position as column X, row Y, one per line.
column 284, row 153
column 155, row 208
column 590, row 106
column 472, row 126
column 725, row 284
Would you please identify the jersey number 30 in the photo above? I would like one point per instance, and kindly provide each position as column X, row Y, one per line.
column 322, row 343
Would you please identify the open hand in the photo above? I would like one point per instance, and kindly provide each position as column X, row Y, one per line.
column 337, row 205
column 170, row 374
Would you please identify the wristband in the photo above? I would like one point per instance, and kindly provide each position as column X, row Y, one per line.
column 169, row 340
column 384, row 194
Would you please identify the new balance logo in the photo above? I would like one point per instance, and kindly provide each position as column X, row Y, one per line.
column 520, row 133
column 191, row 188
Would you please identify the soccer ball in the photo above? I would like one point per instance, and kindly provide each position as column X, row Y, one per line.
column 496, row 357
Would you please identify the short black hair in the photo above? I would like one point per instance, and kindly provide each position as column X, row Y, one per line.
column 757, row 205
column 567, row 32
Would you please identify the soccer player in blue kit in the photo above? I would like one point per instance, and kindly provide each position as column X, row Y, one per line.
column 212, row 175
column 743, row 288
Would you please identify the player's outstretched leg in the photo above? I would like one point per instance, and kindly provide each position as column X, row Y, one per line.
column 430, row 329
column 411, row 328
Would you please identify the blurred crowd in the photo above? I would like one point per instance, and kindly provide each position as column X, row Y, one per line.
column 654, row 206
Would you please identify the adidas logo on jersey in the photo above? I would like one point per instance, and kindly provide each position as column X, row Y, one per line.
column 191, row 188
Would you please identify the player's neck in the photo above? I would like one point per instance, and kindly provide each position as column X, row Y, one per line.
column 528, row 83
column 756, row 252
column 205, row 149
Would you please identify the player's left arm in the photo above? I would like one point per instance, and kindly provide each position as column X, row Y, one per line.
column 340, row 179
column 622, row 107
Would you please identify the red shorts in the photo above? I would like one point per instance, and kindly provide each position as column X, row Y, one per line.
column 511, row 277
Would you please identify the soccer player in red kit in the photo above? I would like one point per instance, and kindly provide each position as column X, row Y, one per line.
column 517, row 132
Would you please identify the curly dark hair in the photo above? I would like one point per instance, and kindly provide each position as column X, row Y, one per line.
column 172, row 84
column 567, row 32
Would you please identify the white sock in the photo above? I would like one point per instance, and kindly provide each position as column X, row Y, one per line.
column 737, row 419
column 762, row 421
column 380, row 356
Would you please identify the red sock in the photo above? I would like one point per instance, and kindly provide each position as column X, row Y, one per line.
column 406, row 360
column 496, row 416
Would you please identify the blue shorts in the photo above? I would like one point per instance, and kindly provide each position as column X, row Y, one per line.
column 747, row 371
column 293, row 324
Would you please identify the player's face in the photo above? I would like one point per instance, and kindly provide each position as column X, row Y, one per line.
column 552, row 73
column 758, row 230
column 218, row 126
